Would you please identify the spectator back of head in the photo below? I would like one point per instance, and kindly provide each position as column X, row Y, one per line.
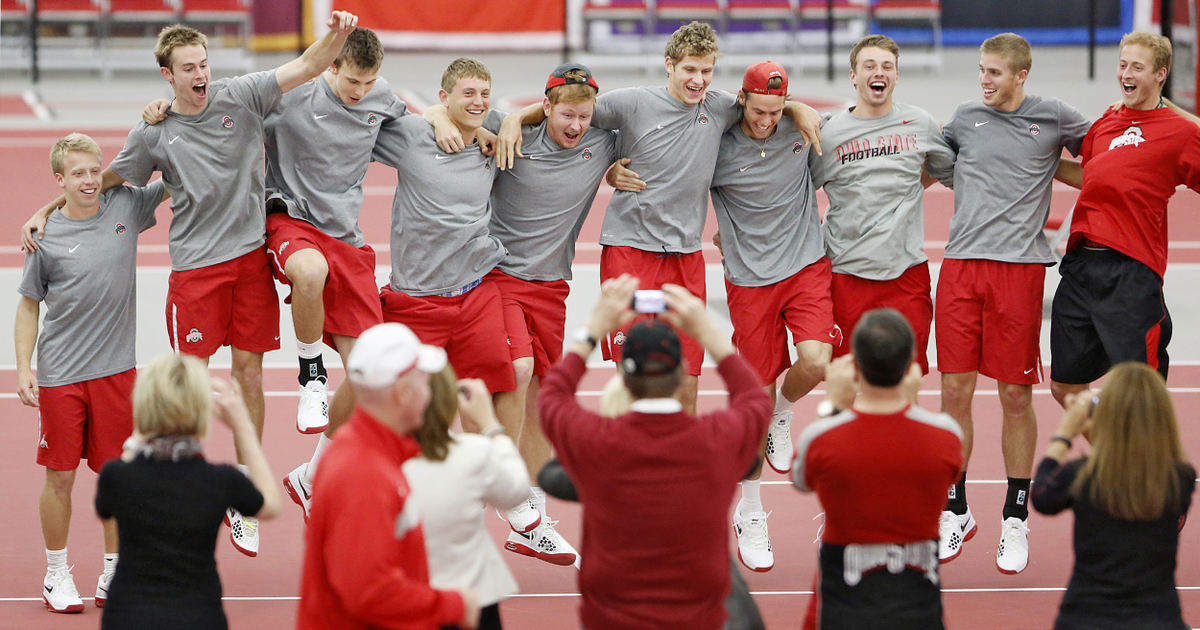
column 883, row 347
column 650, row 360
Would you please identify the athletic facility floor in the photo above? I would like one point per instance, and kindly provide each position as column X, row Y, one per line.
column 261, row 592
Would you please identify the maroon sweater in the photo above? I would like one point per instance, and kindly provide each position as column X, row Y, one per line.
column 656, row 490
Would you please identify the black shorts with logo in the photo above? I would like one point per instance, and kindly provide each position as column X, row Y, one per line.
column 896, row 594
column 1108, row 308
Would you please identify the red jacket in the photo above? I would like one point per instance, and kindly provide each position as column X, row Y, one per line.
column 364, row 559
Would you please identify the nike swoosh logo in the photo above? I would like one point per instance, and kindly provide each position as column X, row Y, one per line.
column 316, row 117
column 740, row 170
column 659, row 127
column 72, row 250
column 441, row 157
column 533, row 157
column 172, row 140
column 1030, row 370
column 49, row 589
column 980, row 124
column 905, row 122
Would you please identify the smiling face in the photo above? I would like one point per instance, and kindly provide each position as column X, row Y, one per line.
column 467, row 102
column 874, row 77
column 80, row 179
column 1141, row 85
column 189, row 77
column 1003, row 89
column 761, row 115
column 567, row 122
column 688, row 79
column 350, row 82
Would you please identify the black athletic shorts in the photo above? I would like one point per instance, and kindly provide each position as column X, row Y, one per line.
column 899, row 593
column 1108, row 308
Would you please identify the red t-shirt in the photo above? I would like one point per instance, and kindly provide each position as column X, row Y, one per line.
column 1132, row 161
column 364, row 557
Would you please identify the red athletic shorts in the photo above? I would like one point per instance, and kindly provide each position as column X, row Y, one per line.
column 989, row 318
column 762, row 317
column 535, row 316
column 85, row 420
column 232, row 303
column 654, row 269
column 469, row 326
column 351, row 296
column 909, row 294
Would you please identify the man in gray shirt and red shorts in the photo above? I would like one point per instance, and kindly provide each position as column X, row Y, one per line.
column 989, row 293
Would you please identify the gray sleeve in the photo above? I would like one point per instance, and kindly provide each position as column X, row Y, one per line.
column 134, row 163
column 258, row 91
column 613, row 108
column 939, row 160
column 389, row 144
column 948, row 132
column 146, row 199
column 1073, row 126
column 493, row 120
column 33, row 280
column 394, row 108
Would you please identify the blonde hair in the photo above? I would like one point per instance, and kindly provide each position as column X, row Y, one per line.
column 71, row 143
column 1131, row 472
column 874, row 41
column 434, row 433
column 571, row 94
column 464, row 68
column 615, row 400
column 697, row 39
column 1159, row 47
column 175, row 36
column 172, row 396
column 1014, row 48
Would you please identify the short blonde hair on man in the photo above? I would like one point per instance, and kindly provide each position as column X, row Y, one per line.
column 464, row 68
column 874, row 41
column 172, row 396
column 571, row 94
column 1159, row 47
column 697, row 39
column 70, row 143
column 1014, row 48
column 174, row 36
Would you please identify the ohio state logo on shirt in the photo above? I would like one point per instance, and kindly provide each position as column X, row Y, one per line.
column 587, row 153
column 702, row 119
column 797, row 147
column 1131, row 137
column 194, row 336
column 120, row 228
column 1034, row 129
column 227, row 122
column 371, row 118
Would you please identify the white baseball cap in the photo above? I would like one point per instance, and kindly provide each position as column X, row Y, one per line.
column 388, row 351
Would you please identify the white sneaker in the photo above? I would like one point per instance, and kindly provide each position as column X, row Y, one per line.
column 243, row 532
column 313, row 413
column 779, row 443
column 543, row 543
column 59, row 592
column 1012, row 554
column 754, row 544
column 953, row 531
column 102, row 589
column 523, row 518
column 298, row 490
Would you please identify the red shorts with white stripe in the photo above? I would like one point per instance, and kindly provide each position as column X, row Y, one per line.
column 989, row 319
column 232, row 303
column 351, row 294
column 469, row 326
column 535, row 316
column 908, row 293
column 762, row 317
column 654, row 269
column 85, row 420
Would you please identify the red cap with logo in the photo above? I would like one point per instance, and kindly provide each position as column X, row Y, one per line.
column 758, row 76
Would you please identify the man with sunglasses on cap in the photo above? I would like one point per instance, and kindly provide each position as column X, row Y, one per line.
column 672, row 569
column 776, row 275
column 365, row 563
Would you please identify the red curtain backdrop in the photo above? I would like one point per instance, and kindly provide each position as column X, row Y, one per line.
column 483, row 16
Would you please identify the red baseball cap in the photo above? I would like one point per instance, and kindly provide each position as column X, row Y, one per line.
column 760, row 73
column 571, row 73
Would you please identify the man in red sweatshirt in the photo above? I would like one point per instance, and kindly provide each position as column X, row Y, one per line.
column 672, row 473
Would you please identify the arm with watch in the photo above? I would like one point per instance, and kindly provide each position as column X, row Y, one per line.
column 1051, row 490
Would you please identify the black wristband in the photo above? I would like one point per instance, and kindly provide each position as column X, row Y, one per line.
column 1059, row 438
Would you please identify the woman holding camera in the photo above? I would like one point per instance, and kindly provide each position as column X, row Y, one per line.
column 1130, row 496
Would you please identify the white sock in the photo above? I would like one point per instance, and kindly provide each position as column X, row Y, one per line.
column 56, row 560
column 309, row 350
column 539, row 499
column 751, row 497
column 782, row 404
column 110, row 563
column 310, row 470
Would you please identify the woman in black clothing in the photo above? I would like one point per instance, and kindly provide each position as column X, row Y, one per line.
column 169, row 502
column 1130, row 496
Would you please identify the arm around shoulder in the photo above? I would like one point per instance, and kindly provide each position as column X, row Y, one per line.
column 319, row 56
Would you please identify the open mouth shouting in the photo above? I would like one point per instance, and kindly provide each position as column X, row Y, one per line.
column 200, row 90
column 878, row 88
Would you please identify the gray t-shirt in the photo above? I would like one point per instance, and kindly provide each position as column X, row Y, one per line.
column 673, row 147
column 539, row 205
column 211, row 163
column 766, row 206
column 1003, row 176
column 317, row 153
column 871, row 171
column 440, row 214
column 84, row 270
